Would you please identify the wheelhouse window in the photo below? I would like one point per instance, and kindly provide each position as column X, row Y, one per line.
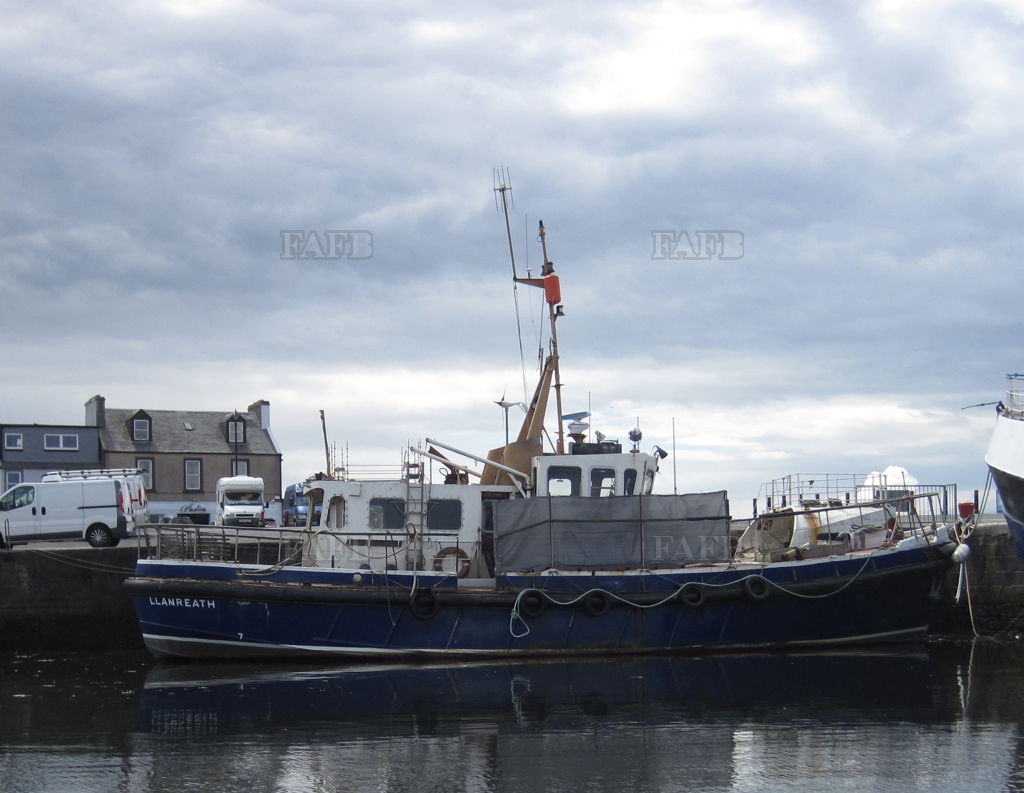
column 14, row 441
column 602, row 482
column 564, row 480
column 444, row 514
column 141, row 429
column 236, row 429
column 387, row 513
column 335, row 512
column 145, row 464
column 629, row 481
column 193, row 474
column 56, row 442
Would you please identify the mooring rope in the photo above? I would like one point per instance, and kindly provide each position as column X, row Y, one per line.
column 516, row 615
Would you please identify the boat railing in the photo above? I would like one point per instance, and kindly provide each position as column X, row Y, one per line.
column 1014, row 400
column 291, row 546
column 813, row 527
column 369, row 473
column 211, row 543
column 834, row 491
column 907, row 513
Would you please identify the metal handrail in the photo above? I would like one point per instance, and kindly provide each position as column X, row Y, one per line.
column 198, row 542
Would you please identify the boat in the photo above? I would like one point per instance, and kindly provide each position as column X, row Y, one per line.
column 808, row 515
column 1005, row 457
column 537, row 551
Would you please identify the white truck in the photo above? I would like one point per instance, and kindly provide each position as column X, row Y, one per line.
column 239, row 501
column 100, row 509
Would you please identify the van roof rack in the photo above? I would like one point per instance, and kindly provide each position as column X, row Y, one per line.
column 90, row 473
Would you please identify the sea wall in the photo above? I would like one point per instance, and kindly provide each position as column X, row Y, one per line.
column 995, row 583
column 67, row 598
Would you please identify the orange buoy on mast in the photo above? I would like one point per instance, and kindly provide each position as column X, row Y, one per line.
column 552, row 291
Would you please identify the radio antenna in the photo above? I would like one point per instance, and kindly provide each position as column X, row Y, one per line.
column 503, row 189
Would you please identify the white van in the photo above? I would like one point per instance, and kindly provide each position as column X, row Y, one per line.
column 96, row 510
column 136, row 505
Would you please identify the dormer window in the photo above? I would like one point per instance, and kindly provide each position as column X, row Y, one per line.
column 236, row 429
column 141, row 430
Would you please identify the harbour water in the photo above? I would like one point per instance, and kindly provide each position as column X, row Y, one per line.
column 946, row 716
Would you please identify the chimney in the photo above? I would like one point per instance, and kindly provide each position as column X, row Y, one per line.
column 96, row 412
column 261, row 409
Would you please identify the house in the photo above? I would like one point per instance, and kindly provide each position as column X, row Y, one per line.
column 183, row 453
column 30, row 450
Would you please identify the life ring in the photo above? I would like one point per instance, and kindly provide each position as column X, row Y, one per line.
column 597, row 603
column 424, row 604
column 462, row 560
column 532, row 604
column 692, row 595
column 756, row 587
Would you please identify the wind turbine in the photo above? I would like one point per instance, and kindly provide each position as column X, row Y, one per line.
column 505, row 405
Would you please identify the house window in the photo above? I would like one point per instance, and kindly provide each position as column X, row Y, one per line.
column 145, row 464
column 193, row 475
column 140, row 430
column 387, row 513
column 12, row 478
column 236, row 430
column 239, row 467
column 56, row 442
column 14, row 441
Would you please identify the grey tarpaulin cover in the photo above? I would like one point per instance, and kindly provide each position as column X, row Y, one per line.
column 615, row 533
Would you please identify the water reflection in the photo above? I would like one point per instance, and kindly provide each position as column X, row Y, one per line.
column 225, row 699
column 859, row 720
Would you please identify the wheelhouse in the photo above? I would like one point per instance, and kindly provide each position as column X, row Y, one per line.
column 595, row 470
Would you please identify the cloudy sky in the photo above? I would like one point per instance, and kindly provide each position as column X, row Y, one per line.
column 866, row 155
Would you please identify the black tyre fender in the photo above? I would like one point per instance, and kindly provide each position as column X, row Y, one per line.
column 424, row 604
column 597, row 603
column 756, row 587
column 692, row 596
column 532, row 604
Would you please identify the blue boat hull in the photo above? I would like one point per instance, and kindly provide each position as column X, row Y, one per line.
column 206, row 610
column 1011, row 491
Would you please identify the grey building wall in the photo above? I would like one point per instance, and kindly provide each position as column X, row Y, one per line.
column 70, row 447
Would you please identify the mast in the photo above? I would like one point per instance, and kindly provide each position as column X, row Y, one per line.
column 552, row 294
column 327, row 448
column 529, row 443
column 553, row 297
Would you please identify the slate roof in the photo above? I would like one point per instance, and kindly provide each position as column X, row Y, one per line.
column 169, row 433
